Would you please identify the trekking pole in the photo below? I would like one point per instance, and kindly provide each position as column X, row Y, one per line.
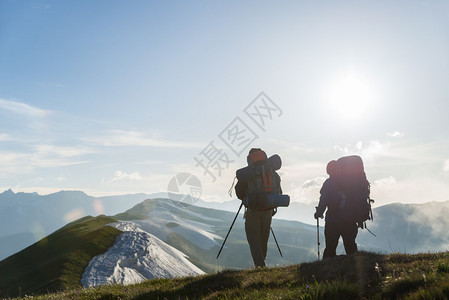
column 229, row 230
column 318, row 234
column 280, row 252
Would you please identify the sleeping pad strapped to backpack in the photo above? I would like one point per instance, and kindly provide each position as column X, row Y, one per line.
column 264, row 191
column 355, row 202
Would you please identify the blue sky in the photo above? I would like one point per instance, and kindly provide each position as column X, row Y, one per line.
column 112, row 97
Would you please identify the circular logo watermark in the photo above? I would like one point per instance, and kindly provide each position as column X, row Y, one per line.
column 184, row 187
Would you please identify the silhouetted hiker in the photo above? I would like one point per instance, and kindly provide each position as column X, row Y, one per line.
column 345, row 194
column 255, row 183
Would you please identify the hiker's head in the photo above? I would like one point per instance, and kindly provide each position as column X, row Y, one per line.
column 256, row 156
column 332, row 168
column 253, row 150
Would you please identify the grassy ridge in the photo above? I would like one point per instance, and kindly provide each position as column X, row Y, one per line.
column 364, row 275
column 57, row 261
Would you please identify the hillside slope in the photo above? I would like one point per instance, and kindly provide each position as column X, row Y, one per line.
column 57, row 261
column 364, row 275
column 91, row 251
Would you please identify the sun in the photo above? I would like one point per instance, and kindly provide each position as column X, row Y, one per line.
column 350, row 96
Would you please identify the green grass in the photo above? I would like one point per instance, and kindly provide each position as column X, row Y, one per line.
column 362, row 276
column 57, row 261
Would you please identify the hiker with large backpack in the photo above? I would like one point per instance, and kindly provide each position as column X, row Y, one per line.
column 259, row 189
column 345, row 194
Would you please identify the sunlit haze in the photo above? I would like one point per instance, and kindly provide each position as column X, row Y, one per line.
column 350, row 97
column 118, row 97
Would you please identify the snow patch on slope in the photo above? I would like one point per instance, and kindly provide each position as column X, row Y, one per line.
column 135, row 257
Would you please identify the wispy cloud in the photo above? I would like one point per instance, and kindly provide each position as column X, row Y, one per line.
column 387, row 180
column 289, row 146
column 63, row 151
column 308, row 192
column 5, row 137
column 314, row 183
column 372, row 148
column 41, row 156
column 23, row 109
column 122, row 138
column 150, row 162
column 130, row 182
column 119, row 175
column 446, row 166
column 23, row 163
column 394, row 149
column 395, row 134
column 409, row 190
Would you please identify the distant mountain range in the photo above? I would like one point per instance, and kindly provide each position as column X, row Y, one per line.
column 408, row 228
column 300, row 212
column 26, row 218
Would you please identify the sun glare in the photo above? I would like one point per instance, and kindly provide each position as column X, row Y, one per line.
column 350, row 97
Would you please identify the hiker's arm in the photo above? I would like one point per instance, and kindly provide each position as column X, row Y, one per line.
column 325, row 194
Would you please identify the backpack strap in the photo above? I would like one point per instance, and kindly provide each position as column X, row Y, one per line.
column 267, row 178
column 370, row 201
column 232, row 186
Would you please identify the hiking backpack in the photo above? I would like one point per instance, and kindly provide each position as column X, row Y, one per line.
column 354, row 193
column 263, row 184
